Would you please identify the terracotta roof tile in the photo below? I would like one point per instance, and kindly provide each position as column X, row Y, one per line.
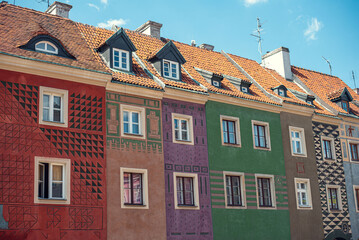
column 323, row 85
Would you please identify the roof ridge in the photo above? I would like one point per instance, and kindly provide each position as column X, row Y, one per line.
column 4, row 3
column 316, row 72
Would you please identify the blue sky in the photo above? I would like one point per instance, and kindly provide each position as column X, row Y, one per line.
column 310, row 29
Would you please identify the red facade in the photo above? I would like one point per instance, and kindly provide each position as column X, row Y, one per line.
column 22, row 139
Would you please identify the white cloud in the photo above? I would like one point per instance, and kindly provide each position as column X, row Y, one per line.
column 111, row 22
column 94, row 6
column 249, row 3
column 313, row 28
column 104, row 2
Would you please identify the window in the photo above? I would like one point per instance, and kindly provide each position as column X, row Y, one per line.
column 121, row 59
column 356, row 196
column 170, row 69
column 234, row 190
column 302, row 187
column 182, row 128
column 186, row 190
column 230, row 130
column 133, row 121
column 345, row 106
column 261, row 138
column 354, row 156
column 47, row 47
column 264, row 192
column 216, row 83
column 328, row 147
column 281, row 92
column 52, row 180
column 53, row 106
column 134, row 188
column 297, row 141
column 244, row 89
column 334, row 198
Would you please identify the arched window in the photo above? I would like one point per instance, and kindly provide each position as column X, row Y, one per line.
column 45, row 46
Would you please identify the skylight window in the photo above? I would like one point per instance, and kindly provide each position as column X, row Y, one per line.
column 47, row 47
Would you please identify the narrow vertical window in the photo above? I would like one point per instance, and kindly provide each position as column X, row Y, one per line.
column 229, row 131
column 41, row 181
column 52, row 108
column 133, row 191
column 333, row 198
column 185, row 193
column 57, row 181
column 51, row 180
column 302, row 194
column 264, row 192
column 170, row 69
column 356, row 192
column 327, row 145
column 233, row 190
column 181, row 129
column 354, row 151
column 296, row 142
column 260, row 136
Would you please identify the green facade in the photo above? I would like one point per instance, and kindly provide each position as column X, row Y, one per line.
column 251, row 222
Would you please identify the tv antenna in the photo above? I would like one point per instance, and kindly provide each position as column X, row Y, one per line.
column 41, row 1
column 258, row 36
column 355, row 85
column 330, row 66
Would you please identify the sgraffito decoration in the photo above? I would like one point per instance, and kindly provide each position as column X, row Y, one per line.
column 152, row 143
column 22, row 139
column 331, row 173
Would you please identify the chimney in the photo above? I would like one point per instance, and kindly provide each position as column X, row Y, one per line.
column 59, row 9
column 206, row 46
column 150, row 28
column 279, row 60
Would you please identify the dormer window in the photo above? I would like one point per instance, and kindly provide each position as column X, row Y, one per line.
column 45, row 46
column 170, row 69
column 121, row 59
column 345, row 106
column 281, row 92
column 216, row 83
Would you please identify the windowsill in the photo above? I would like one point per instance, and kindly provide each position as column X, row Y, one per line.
column 231, row 144
column 335, row 210
column 122, row 71
column 52, row 201
column 60, row 199
column 187, row 142
column 329, row 159
column 171, row 79
column 235, row 207
column 53, row 123
column 262, row 148
column 267, row 207
column 305, row 207
column 187, row 207
column 48, row 121
column 134, row 205
column 133, row 134
column 299, row 154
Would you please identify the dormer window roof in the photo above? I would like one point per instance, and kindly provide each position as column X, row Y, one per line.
column 48, row 45
column 117, row 51
column 281, row 90
column 168, row 61
column 342, row 97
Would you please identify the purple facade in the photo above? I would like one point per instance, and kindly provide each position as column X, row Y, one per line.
column 194, row 222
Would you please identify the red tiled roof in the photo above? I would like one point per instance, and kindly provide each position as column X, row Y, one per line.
column 322, row 85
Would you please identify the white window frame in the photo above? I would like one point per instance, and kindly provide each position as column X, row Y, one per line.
column 301, row 139
column 189, row 120
column 170, row 69
column 120, row 51
column 272, row 186
column 141, row 118
column 64, row 94
column 195, row 190
column 308, row 192
column 267, row 132
column 66, row 163
column 244, row 89
column 339, row 196
column 350, row 152
column 281, row 92
column 243, row 189
column 332, row 148
column 237, row 130
column 145, row 201
column 46, row 49
column 356, row 200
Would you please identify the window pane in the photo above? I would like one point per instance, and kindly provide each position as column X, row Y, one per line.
column 125, row 128
column 125, row 116
column 137, row 196
column 127, row 187
column 135, row 117
column 46, row 100
column 177, row 135
column 184, row 124
column 46, row 114
column 184, row 135
column 166, row 69
column 135, row 129
column 40, row 46
column 57, row 190
column 232, row 138
column 50, row 48
column 57, row 115
column 176, row 123
column 230, row 126
column 57, row 172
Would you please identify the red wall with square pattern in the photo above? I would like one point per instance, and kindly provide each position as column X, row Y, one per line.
column 22, row 138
